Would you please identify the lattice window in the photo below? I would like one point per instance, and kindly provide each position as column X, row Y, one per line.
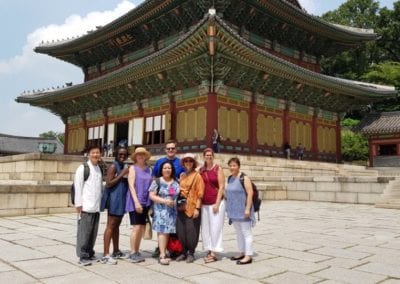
column 155, row 130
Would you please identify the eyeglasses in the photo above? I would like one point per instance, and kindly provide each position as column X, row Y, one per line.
column 170, row 149
column 188, row 161
column 122, row 154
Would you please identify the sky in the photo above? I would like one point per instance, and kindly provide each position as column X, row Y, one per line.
column 25, row 23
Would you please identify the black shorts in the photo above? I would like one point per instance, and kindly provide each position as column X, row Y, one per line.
column 139, row 219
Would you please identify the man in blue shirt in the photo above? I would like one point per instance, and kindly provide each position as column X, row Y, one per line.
column 170, row 150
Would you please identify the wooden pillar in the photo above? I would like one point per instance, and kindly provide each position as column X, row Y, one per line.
column 86, row 130
column 252, row 127
column 372, row 152
column 173, row 118
column 314, row 137
column 66, row 134
column 286, row 126
column 212, row 117
column 105, row 134
column 338, row 142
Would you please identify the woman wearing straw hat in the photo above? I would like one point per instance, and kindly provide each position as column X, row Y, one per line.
column 188, row 221
column 138, row 202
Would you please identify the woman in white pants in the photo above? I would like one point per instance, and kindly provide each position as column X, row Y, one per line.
column 239, row 195
column 213, row 206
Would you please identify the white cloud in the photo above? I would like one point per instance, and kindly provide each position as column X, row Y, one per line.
column 30, row 70
column 73, row 26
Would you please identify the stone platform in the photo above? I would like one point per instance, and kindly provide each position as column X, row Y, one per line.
column 295, row 242
column 40, row 183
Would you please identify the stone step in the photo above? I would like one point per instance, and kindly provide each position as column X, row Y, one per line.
column 36, row 182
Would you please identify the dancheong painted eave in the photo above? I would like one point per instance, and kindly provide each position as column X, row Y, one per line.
column 230, row 49
column 286, row 11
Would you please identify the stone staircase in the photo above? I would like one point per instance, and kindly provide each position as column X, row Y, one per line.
column 391, row 195
column 40, row 183
column 281, row 179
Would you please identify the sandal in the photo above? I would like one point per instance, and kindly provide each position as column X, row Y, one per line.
column 210, row 258
column 163, row 260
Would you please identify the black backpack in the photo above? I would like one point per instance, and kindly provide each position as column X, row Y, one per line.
column 86, row 173
column 256, row 197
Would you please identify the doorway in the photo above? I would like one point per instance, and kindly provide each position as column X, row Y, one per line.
column 121, row 133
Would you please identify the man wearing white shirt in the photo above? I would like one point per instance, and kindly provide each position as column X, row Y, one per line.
column 87, row 204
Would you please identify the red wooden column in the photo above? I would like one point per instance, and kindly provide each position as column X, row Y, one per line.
column 66, row 134
column 286, row 126
column 314, row 137
column 105, row 134
column 338, row 142
column 372, row 152
column 212, row 117
column 253, row 125
column 86, row 130
column 173, row 118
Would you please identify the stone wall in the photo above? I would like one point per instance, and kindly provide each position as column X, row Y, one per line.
column 387, row 161
column 40, row 183
column 36, row 183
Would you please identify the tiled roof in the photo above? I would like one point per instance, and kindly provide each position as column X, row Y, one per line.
column 380, row 123
column 10, row 144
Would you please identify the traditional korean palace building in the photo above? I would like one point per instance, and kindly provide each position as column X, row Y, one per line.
column 177, row 69
column 383, row 133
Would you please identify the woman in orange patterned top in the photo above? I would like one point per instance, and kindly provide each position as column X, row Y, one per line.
column 189, row 207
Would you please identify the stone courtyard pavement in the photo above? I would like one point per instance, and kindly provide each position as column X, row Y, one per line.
column 295, row 242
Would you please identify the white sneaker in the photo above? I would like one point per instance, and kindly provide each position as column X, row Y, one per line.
column 108, row 260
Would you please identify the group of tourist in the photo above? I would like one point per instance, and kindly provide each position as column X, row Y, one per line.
column 181, row 197
column 299, row 151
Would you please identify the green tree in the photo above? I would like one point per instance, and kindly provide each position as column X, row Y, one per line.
column 354, row 146
column 387, row 73
column 52, row 134
column 353, row 64
column 388, row 28
column 349, row 123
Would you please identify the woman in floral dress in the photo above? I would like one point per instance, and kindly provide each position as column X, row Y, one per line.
column 164, row 192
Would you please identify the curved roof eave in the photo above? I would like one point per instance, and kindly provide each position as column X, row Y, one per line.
column 125, row 21
column 148, row 8
column 315, row 22
column 378, row 90
column 108, row 77
column 294, row 71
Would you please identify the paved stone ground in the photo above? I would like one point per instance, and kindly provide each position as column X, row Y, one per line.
column 295, row 242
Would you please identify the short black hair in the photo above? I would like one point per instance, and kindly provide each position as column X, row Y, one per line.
column 159, row 174
column 234, row 160
column 91, row 147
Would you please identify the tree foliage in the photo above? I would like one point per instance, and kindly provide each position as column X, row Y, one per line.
column 349, row 123
column 376, row 61
column 353, row 64
column 354, row 146
column 53, row 134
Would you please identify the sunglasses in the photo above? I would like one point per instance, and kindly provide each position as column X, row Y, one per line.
column 188, row 161
column 170, row 149
column 122, row 154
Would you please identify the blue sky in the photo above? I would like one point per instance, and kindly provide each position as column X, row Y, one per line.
column 25, row 23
